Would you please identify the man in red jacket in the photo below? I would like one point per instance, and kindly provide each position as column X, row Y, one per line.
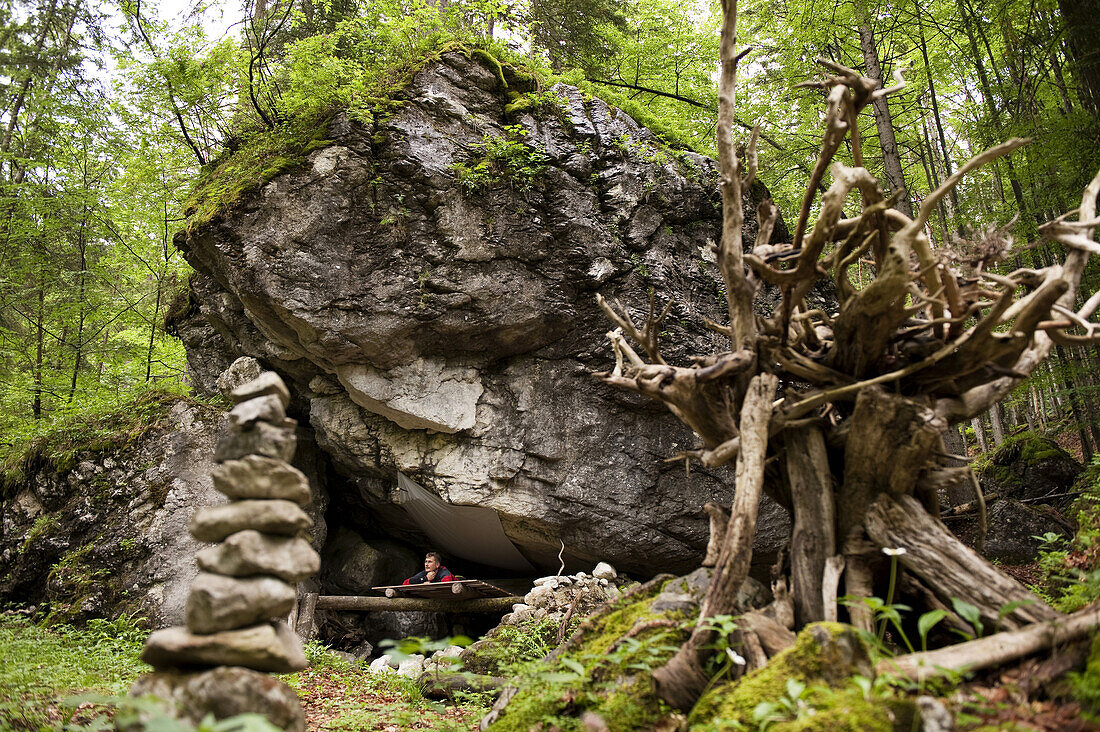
column 434, row 571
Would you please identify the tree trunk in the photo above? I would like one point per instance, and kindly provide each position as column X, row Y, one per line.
column 1083, row 27
column 891, row 156
column 682, row 680
column 949, row 567
column 813, row 538
column 979, row 434
column 998, row 426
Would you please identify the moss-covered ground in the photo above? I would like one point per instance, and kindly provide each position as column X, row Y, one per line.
column 56, row 444
column 605, row 673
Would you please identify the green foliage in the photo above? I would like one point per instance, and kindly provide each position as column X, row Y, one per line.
column 506, row 159
column 259, row 156
column 97, row 426
column 1072, row 569
column 604, row 673
column 44, row 665
column 806, row 687
column 1086, row 684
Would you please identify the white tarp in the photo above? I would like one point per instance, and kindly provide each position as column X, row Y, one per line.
column 467, row 532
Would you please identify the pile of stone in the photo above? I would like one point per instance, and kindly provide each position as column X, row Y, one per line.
column 248, row 578
column 576, row 595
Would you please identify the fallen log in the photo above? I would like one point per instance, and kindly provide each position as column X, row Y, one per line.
column 994, row 650
column 950, row 568
column 416, row 604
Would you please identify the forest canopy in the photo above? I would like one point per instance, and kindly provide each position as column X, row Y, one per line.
column 111, row 113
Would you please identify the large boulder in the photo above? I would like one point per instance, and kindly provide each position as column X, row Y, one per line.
column 1030, row 466
column 451, row 332
column 106, row 532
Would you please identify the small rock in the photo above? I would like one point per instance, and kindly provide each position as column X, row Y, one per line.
column 214, row 523
column 271, row 647
column 605, row 571
column 381, row 665
column 538, row 596
column 225, row 692
column 934, row 716
column 411, row 667
column 544, row 581
column 673, row 602
column 255, row 476
column 260, row 439
column 268, row 408
column 219, row 603
column 249, row 552
column 241, row 371
column 264, row 384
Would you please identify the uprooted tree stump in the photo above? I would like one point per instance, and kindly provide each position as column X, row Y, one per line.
column 840, row 416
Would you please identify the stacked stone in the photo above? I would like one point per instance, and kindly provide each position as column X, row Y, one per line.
column 248, row 577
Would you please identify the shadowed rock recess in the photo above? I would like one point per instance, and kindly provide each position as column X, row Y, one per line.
column 448, row 329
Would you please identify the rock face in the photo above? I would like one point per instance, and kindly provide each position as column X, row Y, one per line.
column 109, row 534
column 451, row 334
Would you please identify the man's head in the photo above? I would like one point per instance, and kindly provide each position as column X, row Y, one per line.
column 432, row 561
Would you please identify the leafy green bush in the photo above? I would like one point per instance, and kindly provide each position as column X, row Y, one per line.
column 506, row 159
column 44, row 665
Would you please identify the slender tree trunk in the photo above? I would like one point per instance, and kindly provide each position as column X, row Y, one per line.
column 153, row 333
column 82, row 249
column 40, row 339
column 979, row 433
column 1079, row 413
column 1083, row 27
column 891, row 156
column 998, row 426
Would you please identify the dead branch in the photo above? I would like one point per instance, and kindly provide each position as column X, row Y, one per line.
column 994, row 650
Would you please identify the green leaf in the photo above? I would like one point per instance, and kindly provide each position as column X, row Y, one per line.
column 926, row 622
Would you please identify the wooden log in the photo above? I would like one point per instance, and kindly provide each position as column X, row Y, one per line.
column 994, row 650
column 813, row 538
column 719, row 519
column 830, row 581
column 416, row 604
column 949, row 567
column 774, row 637
column 307, row 608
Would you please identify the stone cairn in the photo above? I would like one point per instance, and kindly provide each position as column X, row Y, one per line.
column 212, row 665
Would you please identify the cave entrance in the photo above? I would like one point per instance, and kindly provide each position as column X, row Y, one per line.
column 473, row 533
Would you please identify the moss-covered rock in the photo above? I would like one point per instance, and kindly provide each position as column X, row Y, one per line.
column 1028, row 465
column 605, row 671
column 807, row 687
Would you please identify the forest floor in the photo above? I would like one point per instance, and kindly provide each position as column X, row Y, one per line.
column 61, row 678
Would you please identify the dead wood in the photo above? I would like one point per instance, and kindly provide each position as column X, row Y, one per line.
column 719, row 520
column 813, row 539
column 994, row 650
column 774, row 636
column 681, row 681
column 856, row 437
column 949, row 567
column 416, row 604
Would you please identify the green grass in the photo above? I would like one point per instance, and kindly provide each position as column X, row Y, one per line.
column 43, row 666
column 46, row 672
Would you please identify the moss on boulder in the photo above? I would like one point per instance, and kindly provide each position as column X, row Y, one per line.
column 1028, row 465
column 605, row 671
column 806, row 687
